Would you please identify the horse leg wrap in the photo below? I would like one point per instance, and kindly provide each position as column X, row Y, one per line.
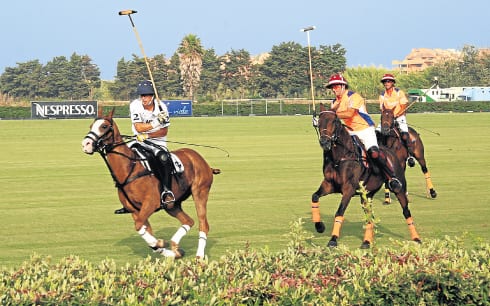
column 411, row 228
column 201, row 244
column 150, row 240
column 369, row 232
column 337, row 224
column 387, row 196
column 181, row 232
column 428, row 180
column 315, row 212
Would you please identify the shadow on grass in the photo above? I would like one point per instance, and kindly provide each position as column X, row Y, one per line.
column 352, row 231
column 139, row 247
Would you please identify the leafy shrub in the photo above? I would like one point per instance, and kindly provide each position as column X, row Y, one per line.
column 437, row 272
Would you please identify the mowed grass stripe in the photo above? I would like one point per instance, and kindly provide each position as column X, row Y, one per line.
column 58, row 201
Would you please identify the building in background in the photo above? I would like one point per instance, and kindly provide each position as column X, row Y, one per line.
column 422, row 58
column 475, row 94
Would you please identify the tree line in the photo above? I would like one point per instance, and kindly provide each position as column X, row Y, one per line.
column 196, row 73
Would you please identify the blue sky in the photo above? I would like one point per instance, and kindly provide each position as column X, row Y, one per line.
column 372, row 32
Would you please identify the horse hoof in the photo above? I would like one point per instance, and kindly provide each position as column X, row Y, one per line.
column 332, row 244
column 411, row 162
column 365, row 245
column 179, row 253
column 162, row 244
column 418, row 240
column 387, row 201
column 121, row 211
column 320, row 227
column 433, row 193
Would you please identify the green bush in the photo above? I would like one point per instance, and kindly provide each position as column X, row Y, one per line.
column 437, row 272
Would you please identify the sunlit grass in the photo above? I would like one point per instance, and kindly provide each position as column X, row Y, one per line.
column 58, row 201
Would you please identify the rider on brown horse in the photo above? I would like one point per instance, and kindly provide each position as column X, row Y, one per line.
column 150, row 122
column 396, row 99
column 351, row 108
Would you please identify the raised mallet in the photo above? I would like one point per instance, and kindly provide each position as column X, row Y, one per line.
column 307, row 30
column 129, row 13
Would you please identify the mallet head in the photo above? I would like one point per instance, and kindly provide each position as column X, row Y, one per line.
column 127, row 12
column 308, row 29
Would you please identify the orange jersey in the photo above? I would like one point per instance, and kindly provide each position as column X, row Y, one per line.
column 394, row 101
column 351, row 108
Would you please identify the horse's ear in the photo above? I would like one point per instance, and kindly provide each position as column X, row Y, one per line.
column 111, row 113
column 99, row 111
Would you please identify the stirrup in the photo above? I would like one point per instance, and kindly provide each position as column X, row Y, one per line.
column 395, row 185
column 167, row 198
column 411, row 161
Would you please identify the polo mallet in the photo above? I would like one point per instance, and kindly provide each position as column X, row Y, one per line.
column 128, row 13
column 307, row 30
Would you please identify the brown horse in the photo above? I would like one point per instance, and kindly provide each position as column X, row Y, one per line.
column 344, row 172
column 390, row 136
column 138, row 187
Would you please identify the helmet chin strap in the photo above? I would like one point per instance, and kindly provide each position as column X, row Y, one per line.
column 149, row 101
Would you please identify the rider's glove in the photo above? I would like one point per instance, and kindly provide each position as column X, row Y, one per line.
column 163, row 117
column 141, row 137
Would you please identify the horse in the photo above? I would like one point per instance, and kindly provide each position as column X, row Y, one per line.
column 344, row 172
column 139, row 189
column 390, row 136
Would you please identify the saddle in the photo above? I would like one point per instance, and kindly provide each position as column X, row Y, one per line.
column 362, row 155
column 164, row 171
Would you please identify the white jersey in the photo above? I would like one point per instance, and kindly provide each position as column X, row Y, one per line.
column 140, row 115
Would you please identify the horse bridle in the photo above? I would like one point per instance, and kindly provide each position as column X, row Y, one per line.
column 98, row 142
column 324, row 139
column 391, row 125
column 104, row 149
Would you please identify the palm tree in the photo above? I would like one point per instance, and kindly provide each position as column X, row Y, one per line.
column 190, row 54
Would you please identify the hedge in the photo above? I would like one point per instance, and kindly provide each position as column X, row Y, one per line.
column 244, row 109
column 439, row 272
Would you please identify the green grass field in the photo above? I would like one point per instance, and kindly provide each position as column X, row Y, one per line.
column 57, row 201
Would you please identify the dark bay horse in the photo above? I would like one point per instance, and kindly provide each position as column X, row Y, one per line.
column 390, row 136
column 345, row 173
column 138, row 188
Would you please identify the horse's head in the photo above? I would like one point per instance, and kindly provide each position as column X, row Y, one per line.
column 387, row 121
column 101, row 135
column 328, row 128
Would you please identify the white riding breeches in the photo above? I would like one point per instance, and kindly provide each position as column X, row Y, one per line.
column 367, row 137
column 402, row 123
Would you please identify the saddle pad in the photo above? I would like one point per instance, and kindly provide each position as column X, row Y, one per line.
column 178, row 165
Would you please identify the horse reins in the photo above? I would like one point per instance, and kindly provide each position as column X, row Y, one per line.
column 334, row 138
column 106, row 149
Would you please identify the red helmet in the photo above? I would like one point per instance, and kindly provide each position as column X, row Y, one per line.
column 337, row 78
column 388, row 77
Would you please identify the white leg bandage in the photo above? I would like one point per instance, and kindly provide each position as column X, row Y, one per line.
column 181, row 232
column 152, row 241
column 201, row 244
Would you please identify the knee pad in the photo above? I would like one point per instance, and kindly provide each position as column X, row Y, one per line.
column 373, row 152
column 163, row 157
